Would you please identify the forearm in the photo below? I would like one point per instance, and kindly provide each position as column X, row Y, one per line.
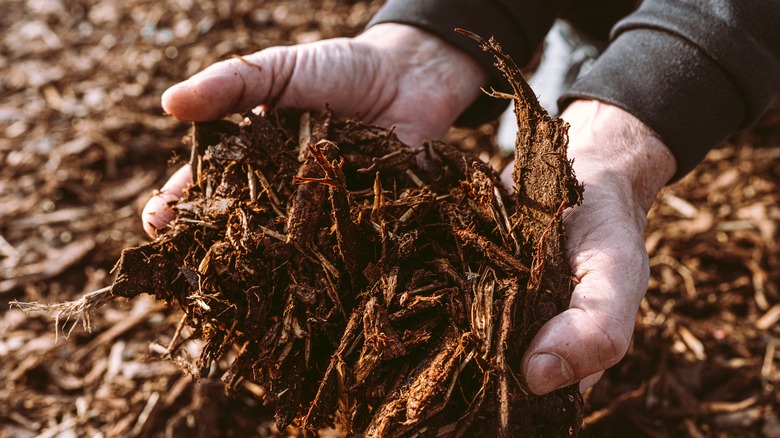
column 694, row 71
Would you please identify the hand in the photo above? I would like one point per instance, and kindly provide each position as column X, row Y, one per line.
column 392, row 74
column 623, row 165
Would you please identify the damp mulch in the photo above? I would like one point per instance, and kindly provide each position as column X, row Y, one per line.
column 84, row 143
column 362, row 284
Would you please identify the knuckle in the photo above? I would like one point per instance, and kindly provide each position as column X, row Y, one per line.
column 608, row 339
column 611, row 345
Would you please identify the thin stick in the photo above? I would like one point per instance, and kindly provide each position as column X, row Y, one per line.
column 276, row 204
column 177, row 334
column 614, row 405
column 504, row 409
column 275, row 234
column 79, row 309
column 247, row 62
column 504, row 215
column 415, row 179
column 685, row 273
column 304, row 135
column 766, row 366
column 250, row 176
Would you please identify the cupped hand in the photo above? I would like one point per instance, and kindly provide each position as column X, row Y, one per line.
column 399, row 75
column 623, row 165
column 392, row 74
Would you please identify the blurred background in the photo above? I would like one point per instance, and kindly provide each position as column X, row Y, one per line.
column 83, row 143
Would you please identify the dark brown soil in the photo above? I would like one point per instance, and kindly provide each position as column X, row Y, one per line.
column 84, row 143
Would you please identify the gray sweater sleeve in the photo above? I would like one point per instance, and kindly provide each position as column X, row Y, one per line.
column 692, row 70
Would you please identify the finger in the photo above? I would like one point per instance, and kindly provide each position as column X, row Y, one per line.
column 594, row 333
column 157, row 213
column 506, row 177
column 338, row 72
column 234, row 85
column 570, row 347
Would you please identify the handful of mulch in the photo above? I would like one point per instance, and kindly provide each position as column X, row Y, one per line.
column 361, row 290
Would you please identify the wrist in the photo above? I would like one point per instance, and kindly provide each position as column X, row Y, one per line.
column 616, row 155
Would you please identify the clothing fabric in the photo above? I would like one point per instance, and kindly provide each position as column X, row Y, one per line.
column 694, row 71
column 568, row 53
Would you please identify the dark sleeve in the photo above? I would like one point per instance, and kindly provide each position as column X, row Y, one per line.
column 694, row 71
column 519, row 26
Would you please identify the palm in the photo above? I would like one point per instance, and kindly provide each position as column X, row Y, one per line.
column 392, row 75
column 387, row 83
column 622, row 164
column 607, row 256
column 397, row 75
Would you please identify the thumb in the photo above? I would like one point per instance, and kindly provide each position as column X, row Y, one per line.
column 339, row 71
column 593, row 334
column 234, row 85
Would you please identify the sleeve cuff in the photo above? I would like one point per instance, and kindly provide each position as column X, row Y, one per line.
column 671, row 86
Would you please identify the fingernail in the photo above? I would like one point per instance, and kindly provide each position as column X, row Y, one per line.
column 547, row 372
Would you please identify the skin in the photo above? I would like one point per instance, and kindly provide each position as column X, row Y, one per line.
column 394, row 74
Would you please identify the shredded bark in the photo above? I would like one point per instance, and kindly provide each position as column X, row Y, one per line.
column 84, row 145
column 293, row 222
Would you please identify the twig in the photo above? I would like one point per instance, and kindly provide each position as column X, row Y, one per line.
column 768, row 319
column 614, row 405
column 78, row 309
column 685, row 273
column 7, row 249
column 304, row 135
column 504, row 420
column 196, row 222
column 247, row 62
column 504, row 215
column 415, row 179
column 145, row 414
column 250, row 176
column 276, row 204
column 177, row 333
column 766, row 366
column 275, row 234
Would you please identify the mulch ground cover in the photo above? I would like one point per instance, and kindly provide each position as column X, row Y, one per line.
column 84, row 143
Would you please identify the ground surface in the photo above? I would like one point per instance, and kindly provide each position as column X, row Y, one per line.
column 83, row 143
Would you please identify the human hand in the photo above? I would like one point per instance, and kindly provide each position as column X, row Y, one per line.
column 623, row 165
column 392, row 74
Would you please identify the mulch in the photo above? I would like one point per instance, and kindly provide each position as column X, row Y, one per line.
column 84, row 142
